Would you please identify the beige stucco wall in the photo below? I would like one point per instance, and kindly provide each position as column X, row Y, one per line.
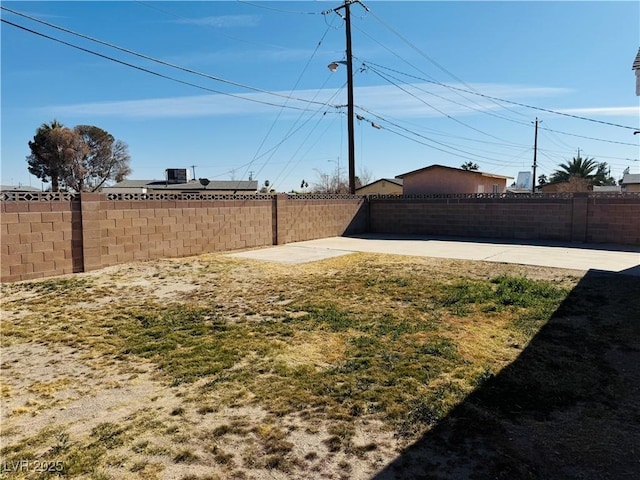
column 444, row 180
column 382, row 187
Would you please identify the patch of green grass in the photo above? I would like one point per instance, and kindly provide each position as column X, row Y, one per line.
column 108, row 434
column 59, row 286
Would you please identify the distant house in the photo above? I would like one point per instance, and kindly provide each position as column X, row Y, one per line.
column 18, row 188
column 607, row 189
column 438, row 179
column 630, row 182
column 636, row 67
column 384, row 186
column 193, row 186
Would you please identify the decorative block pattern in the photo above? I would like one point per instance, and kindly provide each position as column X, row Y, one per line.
column 44, row 234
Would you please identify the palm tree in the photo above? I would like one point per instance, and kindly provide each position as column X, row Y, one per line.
column 577, row 167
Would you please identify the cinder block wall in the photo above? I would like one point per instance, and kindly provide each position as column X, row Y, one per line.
column 51, row 234
column 613, row 220
column 529, row 218
column 308, row 218
column 123, row 231
column 572, row 218
column 45, row 236
column 40, row 239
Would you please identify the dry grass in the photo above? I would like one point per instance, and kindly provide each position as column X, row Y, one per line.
column 213, row 367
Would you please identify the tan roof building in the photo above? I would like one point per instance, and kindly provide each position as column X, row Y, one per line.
column 438, row 179
column 631, row 182
column 384, row 186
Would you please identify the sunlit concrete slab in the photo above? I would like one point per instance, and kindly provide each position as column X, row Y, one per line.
column 292, row 254
column 608, row 258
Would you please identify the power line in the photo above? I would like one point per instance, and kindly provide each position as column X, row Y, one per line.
column 434, row 108
column 368, row 64
column 462, row 154
column 589, row 138
column 504, row 100
column 277, row 9
column 281, row 110
column 136, row 67
column 140, row 55
column 428, row 58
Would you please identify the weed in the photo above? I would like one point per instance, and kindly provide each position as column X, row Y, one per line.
column 108, row 434
column 221, row 456
column 185, row 456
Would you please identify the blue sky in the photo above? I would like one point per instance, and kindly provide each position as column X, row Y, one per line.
column 423, row 73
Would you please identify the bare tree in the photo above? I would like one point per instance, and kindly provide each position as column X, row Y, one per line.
column 365, row 176
column 330, row 182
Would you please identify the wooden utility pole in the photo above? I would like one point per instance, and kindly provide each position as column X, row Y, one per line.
column 350, row 105
column 350, row 114
column 535, row 157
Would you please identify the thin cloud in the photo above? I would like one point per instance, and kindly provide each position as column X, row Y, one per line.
column 605, row 111
column 223, row 21
column 278, row 54
column 383, row 100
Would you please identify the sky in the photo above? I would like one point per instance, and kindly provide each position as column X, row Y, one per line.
column 241, row 89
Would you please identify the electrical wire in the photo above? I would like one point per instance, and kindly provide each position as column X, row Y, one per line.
column 482, row 110
column 590, row 138
column 458, row 152
column 431, row 60
column 140, row 55
column 434, row 108
column 293, row 89
column 146, row 70
column 277, row 9
column 507, row 101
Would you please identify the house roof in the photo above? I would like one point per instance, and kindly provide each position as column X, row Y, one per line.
column 631, row 178
column 243, row 185
column 475, row 172
column 18, row 188
column 132, row 184
column 636, row 62
column 396, row 181
column 607, row 188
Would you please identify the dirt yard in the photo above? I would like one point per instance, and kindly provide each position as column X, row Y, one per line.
column 363, row 366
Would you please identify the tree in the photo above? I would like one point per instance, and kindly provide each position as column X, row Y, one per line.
column 365, row 176
column 82, row 158
column 330, row 183
column 603, row 175
column 53, row 149
column 470, row 166
column 542, row 180
column 105, row 159
column 578, row 167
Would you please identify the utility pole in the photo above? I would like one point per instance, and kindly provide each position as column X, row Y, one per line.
column 535, row 157
column 350, row 114
column 350, row 107
column 193, row 167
